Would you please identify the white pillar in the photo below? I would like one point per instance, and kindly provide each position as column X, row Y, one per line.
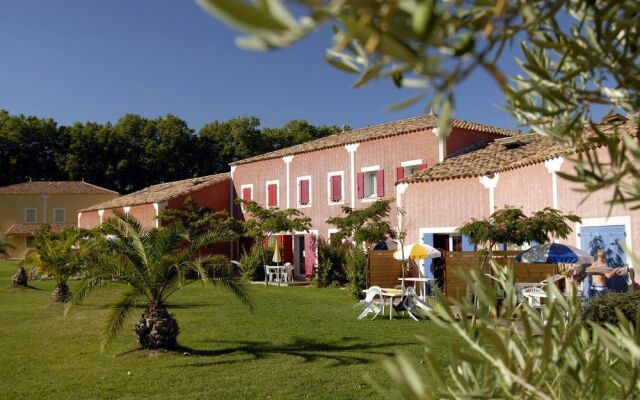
column 126, row 210
column 400, row 190
column 100, row 214
column 352, row 148
column 79, row 216
column 490, row 182
column 553, row 166
column 159, row 207
column 441, row 145
column 287, row 161
column 231, row 197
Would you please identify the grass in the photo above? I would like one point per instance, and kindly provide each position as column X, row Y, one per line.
column 300, row 342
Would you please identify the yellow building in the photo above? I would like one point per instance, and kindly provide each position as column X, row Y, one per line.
column 26, row 207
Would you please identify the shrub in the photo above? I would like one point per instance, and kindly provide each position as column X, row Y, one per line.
column 601, row 309
column 331, row 264
column 252, row 264
column 357, row 271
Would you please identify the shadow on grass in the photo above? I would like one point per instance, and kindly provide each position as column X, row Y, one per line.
column 20, row 287
column 340, row 352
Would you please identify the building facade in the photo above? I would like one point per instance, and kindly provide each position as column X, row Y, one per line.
column 354, row 168
column 27, row 207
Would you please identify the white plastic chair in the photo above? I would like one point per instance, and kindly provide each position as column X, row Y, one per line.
column 534, row 295
column 413, row 302
column 370, row 304
column 287, row 272
column 272, row 273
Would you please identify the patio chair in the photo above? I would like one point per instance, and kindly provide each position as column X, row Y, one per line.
column 534, row 295
column 272, row 273
column 370, row 304
column 411, row 303
column 287, row 272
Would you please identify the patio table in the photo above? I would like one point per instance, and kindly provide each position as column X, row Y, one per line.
column 391, row 294
column 423, row 287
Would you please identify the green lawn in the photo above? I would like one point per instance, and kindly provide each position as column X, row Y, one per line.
column 300, row 342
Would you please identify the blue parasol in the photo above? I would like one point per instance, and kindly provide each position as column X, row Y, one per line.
column 553, row 253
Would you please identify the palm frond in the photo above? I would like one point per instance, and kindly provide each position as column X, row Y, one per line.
column 239, row 290
column 88, row 286
column 118, row 312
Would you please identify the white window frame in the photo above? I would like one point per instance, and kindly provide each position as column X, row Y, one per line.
column 329, row 176
column 298, row 180
column 242, row 188
column 64, row 215
column 410, row 163
column 608, row 221
column 35, row 215
column 365, row 170
column 266, row 193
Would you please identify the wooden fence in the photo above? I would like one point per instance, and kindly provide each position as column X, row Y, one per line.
column 461, row 261
column 384, row 270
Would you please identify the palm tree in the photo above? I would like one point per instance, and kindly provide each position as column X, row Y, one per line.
column 59, row 256
column 4, row 248
column 152, row 264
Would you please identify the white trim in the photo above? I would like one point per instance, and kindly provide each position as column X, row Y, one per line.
column 64, row 215
column 411, row 163
column 100, row 214
column 35, row 215
column 438, row 229
column 607, row 221
column 79, row 216
column 159, row 207
column 231, row 198
column 298, row 180
column 329, row 175
column 287, row 162
column 441, row 143
column 126, row 210
column 352, row 148
column 330, row 231
column 266, row 192
column 400, row 190
column 370, row 169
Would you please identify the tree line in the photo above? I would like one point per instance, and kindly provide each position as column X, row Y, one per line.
column 136, row 152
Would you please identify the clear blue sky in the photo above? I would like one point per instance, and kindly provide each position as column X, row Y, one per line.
column 79, row 60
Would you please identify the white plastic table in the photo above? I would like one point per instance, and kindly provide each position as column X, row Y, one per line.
column 391, row 294
column 423, row 286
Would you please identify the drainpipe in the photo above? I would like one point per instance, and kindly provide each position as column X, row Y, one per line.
column 352, row 148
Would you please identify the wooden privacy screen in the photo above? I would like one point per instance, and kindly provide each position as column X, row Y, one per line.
column 384, row 270
column 457, row 261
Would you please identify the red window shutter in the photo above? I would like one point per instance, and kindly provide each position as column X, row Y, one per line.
column 423, row 167
column 246, row 194
column 273, row 195
column 361, row 185
column 336, row 188
column 304, row 192
column 380, row 183
column 399, row 173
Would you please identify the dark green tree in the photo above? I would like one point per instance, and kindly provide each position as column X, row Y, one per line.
column 365, row 225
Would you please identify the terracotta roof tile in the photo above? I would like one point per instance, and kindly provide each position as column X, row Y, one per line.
column 55, row 187
column 491, row 157
column 161, row 192
column 30, row 229
column 395, row 128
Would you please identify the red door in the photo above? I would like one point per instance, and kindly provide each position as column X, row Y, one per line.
column 309, row 255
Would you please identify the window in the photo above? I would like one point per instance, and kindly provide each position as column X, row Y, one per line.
column 371, row 183
column 304, row 191
column 30, row 215
column 408, row 168
column 29, row 242
column 335, row 187
column 272, row 193
column 58, row 215
column 246, row 191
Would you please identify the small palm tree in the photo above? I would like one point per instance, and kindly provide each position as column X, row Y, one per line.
column 4, row 248
column 153, row 265
column 58, row 255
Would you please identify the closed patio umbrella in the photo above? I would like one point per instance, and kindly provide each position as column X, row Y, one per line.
column 277, row 257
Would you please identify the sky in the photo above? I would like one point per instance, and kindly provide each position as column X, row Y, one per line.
column 90, row 60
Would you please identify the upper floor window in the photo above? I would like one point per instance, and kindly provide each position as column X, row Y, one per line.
column 246, row 191
column 304, row 191
column 408, row 168
column 371, row 183
column 335, row 187
column 58, row 215
column 30, row 215
column 273, row 195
